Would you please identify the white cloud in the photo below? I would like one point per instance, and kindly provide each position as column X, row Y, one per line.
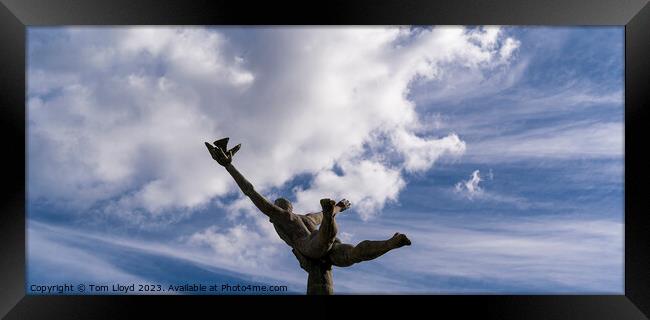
column 488, row 66
column 470, row 188
column 508, row 48
column 240, row 244
column 117, row 117
column 367, row 184
column 122, row 133
column 420, row 154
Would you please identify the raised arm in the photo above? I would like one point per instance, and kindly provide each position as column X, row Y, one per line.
column 259, row 200
column 224, row 158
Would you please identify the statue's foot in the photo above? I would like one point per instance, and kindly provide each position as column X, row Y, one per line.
column 401, row 240
column 327, row 206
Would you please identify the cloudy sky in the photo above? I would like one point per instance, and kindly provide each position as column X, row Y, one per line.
column 498, row 151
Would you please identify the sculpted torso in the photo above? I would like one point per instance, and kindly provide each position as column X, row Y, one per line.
column 312, row 236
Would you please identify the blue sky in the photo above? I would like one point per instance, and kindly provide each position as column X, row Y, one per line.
column 497, row 150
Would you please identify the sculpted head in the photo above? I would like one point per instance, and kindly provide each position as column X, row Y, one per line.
column 284, row 204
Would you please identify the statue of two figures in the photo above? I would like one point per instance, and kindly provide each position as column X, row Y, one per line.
column 311, row 236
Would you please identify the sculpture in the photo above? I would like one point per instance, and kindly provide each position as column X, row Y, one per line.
column 316, row 248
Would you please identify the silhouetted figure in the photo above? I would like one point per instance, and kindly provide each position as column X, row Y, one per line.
column 317, row 249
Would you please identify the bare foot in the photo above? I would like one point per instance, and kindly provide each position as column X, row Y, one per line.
column 401, row 240
column 328, row 206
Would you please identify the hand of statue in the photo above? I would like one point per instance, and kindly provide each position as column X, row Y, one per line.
column 219, row 153
column 343, row 205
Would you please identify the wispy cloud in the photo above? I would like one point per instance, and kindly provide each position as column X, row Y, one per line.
column 470, row 188
column 99, row 262
column 122, row 133
column 568, row 141
column 532, row 254
column 359, row 113
column 52, row 261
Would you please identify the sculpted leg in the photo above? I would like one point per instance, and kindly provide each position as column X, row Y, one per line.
column 321, row 240
column 344, row 255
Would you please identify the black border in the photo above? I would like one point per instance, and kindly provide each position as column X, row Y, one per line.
column 15, row 15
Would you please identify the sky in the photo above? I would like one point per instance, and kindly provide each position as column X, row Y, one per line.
column 499, row 151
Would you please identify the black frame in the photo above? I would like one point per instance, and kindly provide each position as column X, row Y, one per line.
column 16, row 15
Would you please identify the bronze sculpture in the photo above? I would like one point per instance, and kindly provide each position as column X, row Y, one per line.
column 317, row 249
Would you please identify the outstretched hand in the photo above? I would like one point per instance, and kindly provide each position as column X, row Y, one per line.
column 219, row 153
